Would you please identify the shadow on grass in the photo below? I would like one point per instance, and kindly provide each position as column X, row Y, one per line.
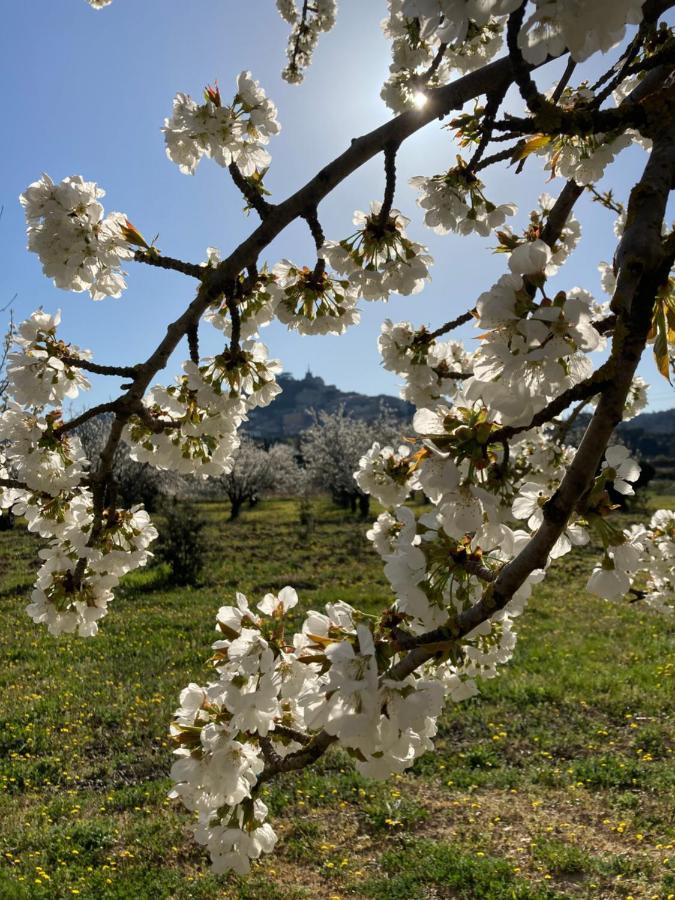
column 20, row 590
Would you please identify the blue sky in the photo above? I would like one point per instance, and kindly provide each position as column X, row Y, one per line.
column 86, row 93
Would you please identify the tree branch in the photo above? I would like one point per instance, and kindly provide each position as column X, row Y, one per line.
column 154, row 258
column 235, row 337
column 254, row 199
column 85, row 416
column 521, row 71
column 560, row 212
column 494, row 101
column 629, row 343
column 193, row 343
column 97, row 369
column 390, row 185
column 597, row 382
column 451, row 325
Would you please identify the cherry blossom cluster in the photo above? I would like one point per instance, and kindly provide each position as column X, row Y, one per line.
column 455, row 202
column 256, row 300
column 562, row 247
column 191, row 427
column 48, row 482
column 312, row 302
column 582, row 28
column 431, row 368
column 41, row 367
column 552, row 26
column 309, row 301
column 379, row 259
column 432, row 39
column 532, row 349
column 79, row 247
column 306, row 26
column 272, row 694
column 230, row 134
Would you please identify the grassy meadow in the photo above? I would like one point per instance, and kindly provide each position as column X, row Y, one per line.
column 557, row 782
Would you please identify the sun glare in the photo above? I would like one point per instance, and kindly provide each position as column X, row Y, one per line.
column 420, row 99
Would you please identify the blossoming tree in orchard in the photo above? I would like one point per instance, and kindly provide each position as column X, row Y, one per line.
column 508, row 497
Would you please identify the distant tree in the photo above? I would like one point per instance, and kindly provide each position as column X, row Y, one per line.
column 257, row 471
column 332, row 447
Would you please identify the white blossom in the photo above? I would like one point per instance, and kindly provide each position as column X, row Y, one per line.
column 79, row 248
column 227, row 134
column 456, row 202
column 378, row 259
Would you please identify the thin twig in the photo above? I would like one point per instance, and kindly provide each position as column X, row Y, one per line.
column 312, row 219
column 292, row 734
column 582, row 391
column 193, row 343
column 435, row 64
column 235, row 315
column 494, row 101
column 390, row 182
column 97, row 369
column 521, row 70
column 628, row 56
column 254, row 199
column 85, row 416
column 451, row 325
column 153, row 258
column 563, row 429
column 13, row 483
column 564, row 80
column 495, row 158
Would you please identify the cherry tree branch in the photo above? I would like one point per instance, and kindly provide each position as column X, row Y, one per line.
column 390, row 185
column 193, row 343
column 521, row 71
column 586, row 389
column 91, row 413
column 435, row 64
column 235, row 337
column 312, row 219
column 451, row 325
column 97, row 369
column 493, row 158
column 564, row 80
column 563, row 429
column 254, row 199
column 628, row 345
column 154, row 258
column 494, row 101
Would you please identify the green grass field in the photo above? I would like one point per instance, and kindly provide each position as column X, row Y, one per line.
column 556, row 782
